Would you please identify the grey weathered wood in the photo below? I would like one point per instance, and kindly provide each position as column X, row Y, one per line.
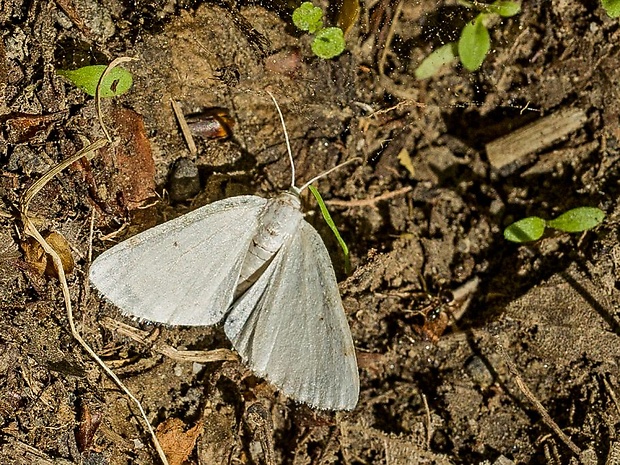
column 534, row 137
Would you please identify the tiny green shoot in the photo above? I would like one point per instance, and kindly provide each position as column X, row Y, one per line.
column 328, row 41
column 308, row 17
column 572, row 221
column 474, row 42
column 612, row 7
column 116, row 83
column 332, row 226
column 577, row 220
column 431, row 65
column 504, row 8
column 526, row 230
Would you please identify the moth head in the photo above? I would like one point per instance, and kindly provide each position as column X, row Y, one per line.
column 291, row 197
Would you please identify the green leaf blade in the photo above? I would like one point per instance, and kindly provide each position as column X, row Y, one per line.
column 474, row 44
column 526, row 230
column 578, row 220
column 328, row 43
column 308, row 17
column 505, row 8
column 117, row 82
column 328, row 219
column 612, row 7
column 431, row 65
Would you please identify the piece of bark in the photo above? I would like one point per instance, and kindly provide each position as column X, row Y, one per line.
column 534, row 137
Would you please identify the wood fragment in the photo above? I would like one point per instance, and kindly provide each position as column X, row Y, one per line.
column 534, row 137
column 69, row 9
column 187, row 134
column 613, row 458
column 260, row 422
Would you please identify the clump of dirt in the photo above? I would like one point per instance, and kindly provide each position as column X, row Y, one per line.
column 471, row 349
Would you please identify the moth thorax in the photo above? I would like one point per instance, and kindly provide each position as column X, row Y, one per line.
column 278, row 221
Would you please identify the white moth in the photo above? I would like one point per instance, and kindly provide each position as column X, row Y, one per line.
column 259, row 267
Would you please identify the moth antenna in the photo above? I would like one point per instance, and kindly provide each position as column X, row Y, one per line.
column 331, row 170
column 288, row 143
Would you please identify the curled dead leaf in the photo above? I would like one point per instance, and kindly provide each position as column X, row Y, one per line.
column 348, row 14
column 177, row 442
column 87, row 427
column 41, row 262
column 125, row 171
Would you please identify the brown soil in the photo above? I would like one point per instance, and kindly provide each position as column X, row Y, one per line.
column 541, row 316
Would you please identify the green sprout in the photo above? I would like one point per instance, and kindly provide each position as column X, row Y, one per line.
column 308, row 17
column 432, row 63
column 572, row 221
column 117, row 82
column 612, row 7
column 474, row 42
column 328, row 41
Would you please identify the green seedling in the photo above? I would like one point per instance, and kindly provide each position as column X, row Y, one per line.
column 328, row 41
column 432, row 64
column 612, row 7
column 115, row 83
column 308, row 17
column 474, row 42
column 573, row 221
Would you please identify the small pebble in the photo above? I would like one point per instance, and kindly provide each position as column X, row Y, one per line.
column 184, row 180
column 479, row 372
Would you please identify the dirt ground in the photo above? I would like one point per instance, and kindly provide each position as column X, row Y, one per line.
column 526, row 371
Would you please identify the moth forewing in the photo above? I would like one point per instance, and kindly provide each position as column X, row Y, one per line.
column 184, row 271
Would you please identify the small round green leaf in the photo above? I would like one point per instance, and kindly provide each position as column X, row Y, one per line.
column 474, row 44
column 307, row 17
column 328, row 43
column 505, row 8
column 117, row 82
column 433, row 63
column 525, row 230
column 578, row 219
column 612, row 7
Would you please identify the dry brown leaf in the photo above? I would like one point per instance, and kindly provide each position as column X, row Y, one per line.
column 176, row 442
column 21, row 127
column 212, row 123
column 348, row 15
column 130, row 164
column 41, row 262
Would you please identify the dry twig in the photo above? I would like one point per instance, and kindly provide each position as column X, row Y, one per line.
column 371, row 201
column 143, row 337
column 536, row 403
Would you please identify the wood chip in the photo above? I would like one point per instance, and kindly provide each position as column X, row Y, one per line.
column 534, row 137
